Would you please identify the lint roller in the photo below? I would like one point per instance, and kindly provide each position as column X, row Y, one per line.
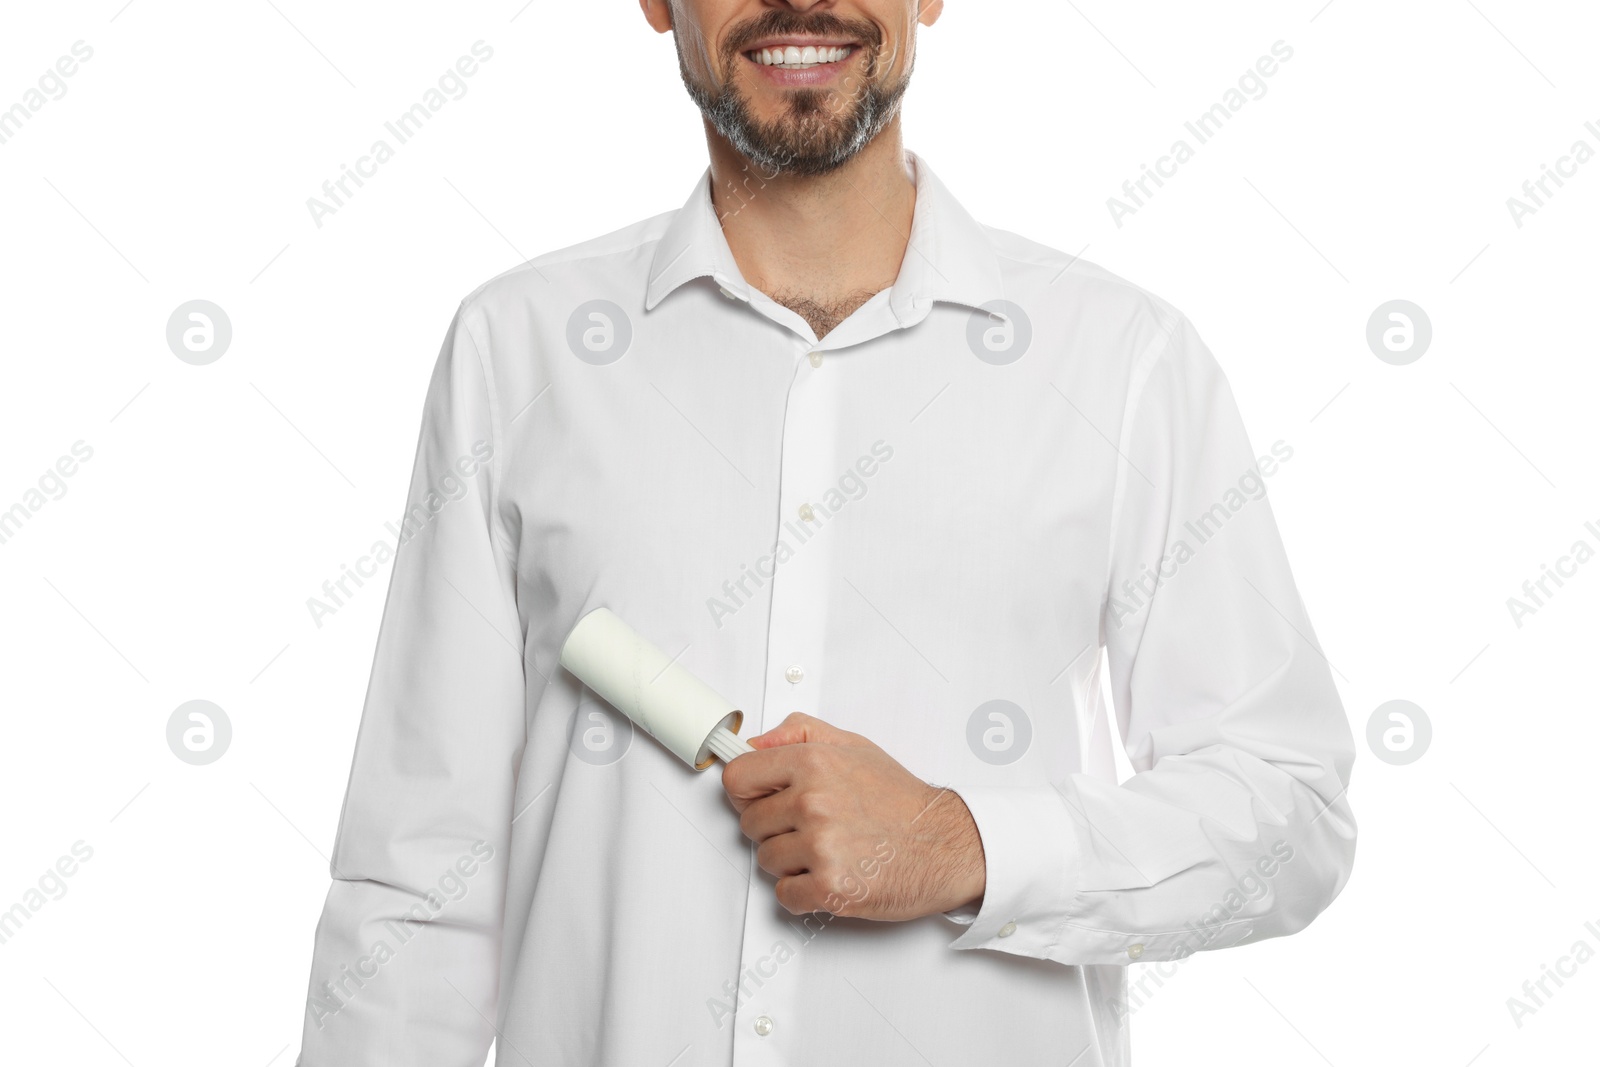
column 662, row 698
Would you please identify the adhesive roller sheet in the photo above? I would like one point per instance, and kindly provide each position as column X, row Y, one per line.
column 662, row 698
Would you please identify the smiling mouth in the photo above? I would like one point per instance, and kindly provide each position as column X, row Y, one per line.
column 798, row 57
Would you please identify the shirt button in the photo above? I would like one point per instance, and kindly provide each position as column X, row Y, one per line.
column 816, row 359
column 726, row 291
column 763, row 1025
column 1135, row 951
column 1008, row 929
column 794, row 674
column 806, row 513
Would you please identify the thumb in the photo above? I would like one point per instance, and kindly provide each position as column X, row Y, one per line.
column 800, row 728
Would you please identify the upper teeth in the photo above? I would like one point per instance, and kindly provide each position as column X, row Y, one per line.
column 793, row 56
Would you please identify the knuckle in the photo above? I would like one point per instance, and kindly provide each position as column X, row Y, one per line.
column 812, row 804
column 825, row 843
column 829, row 883
column 789, row 897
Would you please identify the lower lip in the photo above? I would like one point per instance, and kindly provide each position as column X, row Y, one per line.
column 791, row 77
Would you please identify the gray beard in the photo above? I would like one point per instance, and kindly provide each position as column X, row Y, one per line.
column 805, row 142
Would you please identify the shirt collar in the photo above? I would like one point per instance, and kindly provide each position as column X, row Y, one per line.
column 949, row 256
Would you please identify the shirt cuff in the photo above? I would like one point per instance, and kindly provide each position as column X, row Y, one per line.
column 1039, row 867
column 1030, row 842
column 964, row 914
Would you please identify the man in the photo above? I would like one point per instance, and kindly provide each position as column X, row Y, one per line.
column 889, row 480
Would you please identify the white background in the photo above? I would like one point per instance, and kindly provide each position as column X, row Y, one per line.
column 219, row 498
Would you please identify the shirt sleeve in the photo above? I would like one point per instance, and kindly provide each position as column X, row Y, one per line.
column 1235, row 825
column 406, row 958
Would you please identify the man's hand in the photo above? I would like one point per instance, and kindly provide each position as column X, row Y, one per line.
column 849, row 831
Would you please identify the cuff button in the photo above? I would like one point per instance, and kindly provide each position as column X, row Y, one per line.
column 1008, row 929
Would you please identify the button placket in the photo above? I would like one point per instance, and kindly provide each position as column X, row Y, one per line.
column 800, row 590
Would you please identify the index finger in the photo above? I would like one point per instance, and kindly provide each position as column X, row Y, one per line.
column 759, row 774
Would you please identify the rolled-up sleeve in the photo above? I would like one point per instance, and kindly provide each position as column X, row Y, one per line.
column 406, row 956
column 1235, row 825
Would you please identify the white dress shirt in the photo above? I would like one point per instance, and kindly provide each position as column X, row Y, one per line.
column 923, row 528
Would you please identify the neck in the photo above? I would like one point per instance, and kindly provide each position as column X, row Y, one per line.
column 821, row 245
